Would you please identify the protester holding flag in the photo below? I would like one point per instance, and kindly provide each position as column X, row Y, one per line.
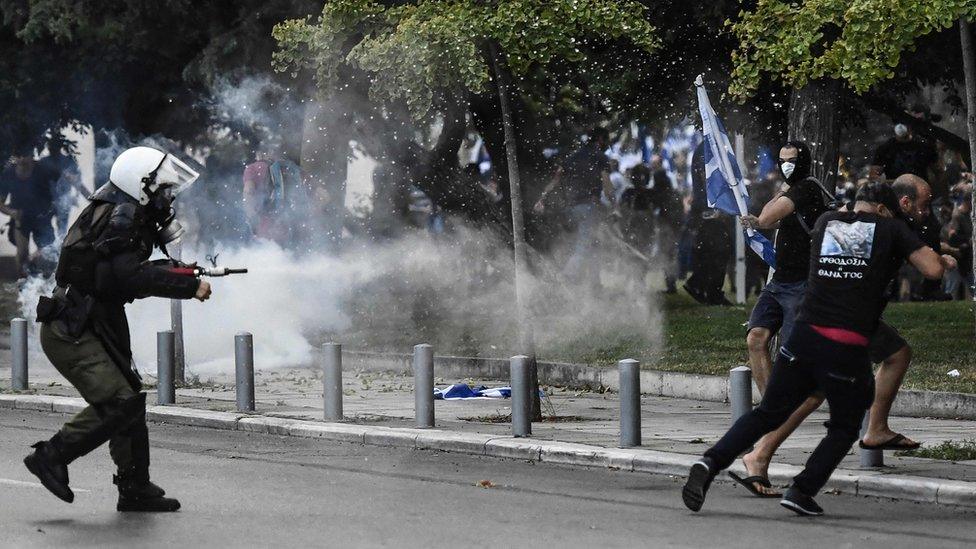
column 723, row 184
column 794, row 212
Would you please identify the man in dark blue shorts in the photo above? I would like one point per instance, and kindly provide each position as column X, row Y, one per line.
column 30, row 186
column 794, row 212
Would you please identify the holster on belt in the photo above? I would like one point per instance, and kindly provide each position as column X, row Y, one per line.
column 69, row 307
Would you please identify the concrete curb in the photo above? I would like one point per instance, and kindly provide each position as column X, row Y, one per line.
column 653, row 382
column 863, row 483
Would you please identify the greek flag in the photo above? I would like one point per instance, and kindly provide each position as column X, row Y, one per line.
column 723, row 181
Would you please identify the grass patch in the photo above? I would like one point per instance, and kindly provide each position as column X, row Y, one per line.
column 711, row 340
column 699, row 339
column 948, row 450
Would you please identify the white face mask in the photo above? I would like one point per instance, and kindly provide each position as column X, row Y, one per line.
column 901, row 130
column 787, row 169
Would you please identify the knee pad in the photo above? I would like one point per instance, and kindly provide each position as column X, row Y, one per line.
column 120, row 413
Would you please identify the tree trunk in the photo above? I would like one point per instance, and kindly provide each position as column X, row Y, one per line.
column 438, row 174
column 969, row 69
column 325, row 158
column 525, row 328
column 813, row 120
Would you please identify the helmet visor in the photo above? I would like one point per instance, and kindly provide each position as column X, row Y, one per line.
column 175, row 174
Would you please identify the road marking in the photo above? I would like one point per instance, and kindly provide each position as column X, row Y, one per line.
column 25, row 484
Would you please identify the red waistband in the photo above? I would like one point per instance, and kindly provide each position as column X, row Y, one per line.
column 841, row 335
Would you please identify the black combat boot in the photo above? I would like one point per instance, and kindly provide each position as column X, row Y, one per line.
column 48, row 465
column 137, row 493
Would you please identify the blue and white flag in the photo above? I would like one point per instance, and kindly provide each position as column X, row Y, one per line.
column 723, row 180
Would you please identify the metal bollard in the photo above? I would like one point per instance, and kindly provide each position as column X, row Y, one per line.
column 332, row 381
column 244, row 362
column 740, row 391
column 869, row 458
column 521, row 396
column 18, row 351
column 423, row 385
column 630, row 410
column 165, row 367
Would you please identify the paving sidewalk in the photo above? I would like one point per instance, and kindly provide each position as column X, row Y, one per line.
column 668, row 424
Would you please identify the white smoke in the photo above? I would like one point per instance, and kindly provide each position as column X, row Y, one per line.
column 460, row 283
column 253, row 101
column 454, row 289
column 290, row 303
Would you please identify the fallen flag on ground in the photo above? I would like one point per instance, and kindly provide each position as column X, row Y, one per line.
column 463, row 391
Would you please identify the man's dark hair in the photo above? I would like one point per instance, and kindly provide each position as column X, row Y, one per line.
column 599, row 133
column 640, row 175
column 904, row 188
column 878, row 192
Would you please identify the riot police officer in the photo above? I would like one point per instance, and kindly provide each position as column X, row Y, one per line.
column 84, row 332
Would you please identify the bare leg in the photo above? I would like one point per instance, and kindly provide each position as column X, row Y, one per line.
column 757, row 461
column 757, row 341
column 887, row 382
column 23, row 252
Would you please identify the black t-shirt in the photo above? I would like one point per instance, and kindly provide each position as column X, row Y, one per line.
column 901, row 157
column 639, row 199
column 793, row 240
column 855, row 256
column 582, row 174
column 33, row 196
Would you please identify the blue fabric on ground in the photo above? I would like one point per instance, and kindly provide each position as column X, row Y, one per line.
column 456, row 391
column 463, row 391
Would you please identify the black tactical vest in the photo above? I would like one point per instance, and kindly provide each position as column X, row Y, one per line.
column 79, row 261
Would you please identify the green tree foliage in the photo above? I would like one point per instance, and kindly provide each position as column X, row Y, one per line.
column 860, row 42
column 434, row 50
column 147, row 67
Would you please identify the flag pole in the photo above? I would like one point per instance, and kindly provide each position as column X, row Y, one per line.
column 740, row 241
column 720, row 160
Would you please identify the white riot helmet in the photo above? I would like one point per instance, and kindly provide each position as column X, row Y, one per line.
column 140, row 171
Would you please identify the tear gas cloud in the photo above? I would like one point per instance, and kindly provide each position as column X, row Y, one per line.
column 454, row 290
column 253, row 102
column 455, row 293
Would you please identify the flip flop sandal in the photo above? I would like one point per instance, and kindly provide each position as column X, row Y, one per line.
column 893, row 443
column 747, row 482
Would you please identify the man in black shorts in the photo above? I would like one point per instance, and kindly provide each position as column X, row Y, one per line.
column 30, row 186
column 794, row 213
column 855, row 255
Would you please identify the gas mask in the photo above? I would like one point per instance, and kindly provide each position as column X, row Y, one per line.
column 161, row 207
column 172, row 176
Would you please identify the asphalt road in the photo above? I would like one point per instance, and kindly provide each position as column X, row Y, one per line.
column 249, row 490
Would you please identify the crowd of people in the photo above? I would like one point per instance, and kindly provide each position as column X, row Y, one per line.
column 901, row 231
column 836, row 263
column 662, row 214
